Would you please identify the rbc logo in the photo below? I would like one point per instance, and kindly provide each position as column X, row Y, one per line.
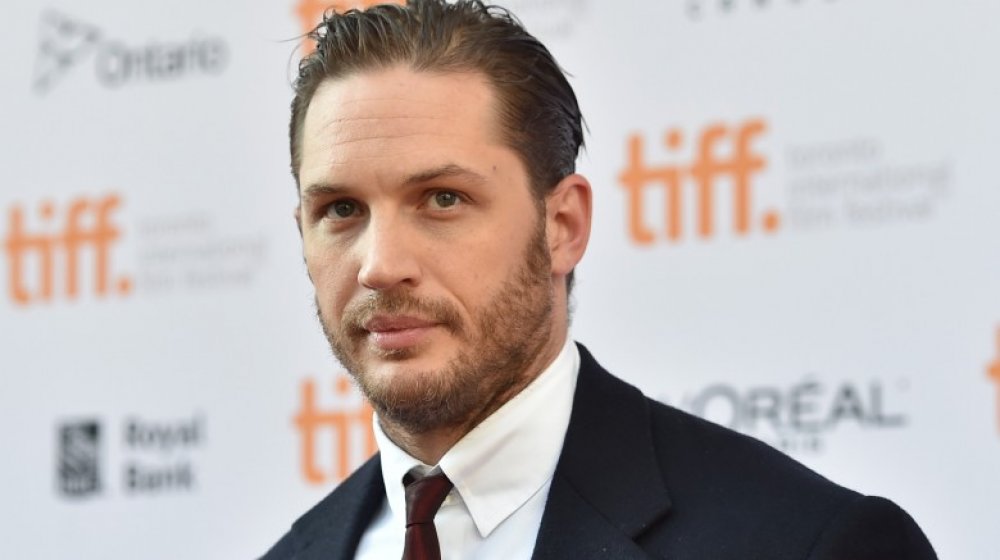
column 86, row 224
column 740, row 164
column 79, row 458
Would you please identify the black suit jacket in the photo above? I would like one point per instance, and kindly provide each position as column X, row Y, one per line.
column 639, row 479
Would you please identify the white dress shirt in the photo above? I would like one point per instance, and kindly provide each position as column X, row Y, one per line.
column 502, row 471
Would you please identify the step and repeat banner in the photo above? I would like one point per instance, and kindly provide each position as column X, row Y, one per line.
column 796, row 234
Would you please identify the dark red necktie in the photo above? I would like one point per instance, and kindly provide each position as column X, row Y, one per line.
column 424, row 497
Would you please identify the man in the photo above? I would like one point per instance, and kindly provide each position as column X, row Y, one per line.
column 434, row 149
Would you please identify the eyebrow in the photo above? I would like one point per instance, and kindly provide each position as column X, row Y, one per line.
column 447, row 170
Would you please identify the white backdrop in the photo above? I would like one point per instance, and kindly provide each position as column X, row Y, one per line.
column 797, row 234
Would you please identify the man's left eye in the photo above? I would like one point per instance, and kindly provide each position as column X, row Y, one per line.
column 445, row 199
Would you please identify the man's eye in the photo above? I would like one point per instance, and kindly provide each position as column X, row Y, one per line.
column 343, row 209
column 445, row 199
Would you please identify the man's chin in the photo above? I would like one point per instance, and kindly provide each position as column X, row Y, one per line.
column 416, row 398
column 391, row 355
column 401, row 369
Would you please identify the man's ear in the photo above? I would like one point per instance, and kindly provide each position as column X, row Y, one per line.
column 568, row 209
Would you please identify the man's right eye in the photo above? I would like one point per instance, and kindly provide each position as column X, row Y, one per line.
column 342, row 209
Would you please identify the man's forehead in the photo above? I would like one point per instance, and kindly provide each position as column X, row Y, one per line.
column 400, row 97
column 395, row 115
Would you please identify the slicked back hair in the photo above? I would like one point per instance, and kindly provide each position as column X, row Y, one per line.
column 539, row 117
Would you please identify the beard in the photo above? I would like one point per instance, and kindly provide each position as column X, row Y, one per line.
column 495, row 352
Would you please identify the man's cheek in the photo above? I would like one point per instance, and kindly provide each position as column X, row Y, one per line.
column 327, row 275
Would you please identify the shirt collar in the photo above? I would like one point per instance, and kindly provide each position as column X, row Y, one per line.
column 507, row 458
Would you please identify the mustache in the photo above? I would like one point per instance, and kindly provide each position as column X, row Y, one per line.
column 399, row 302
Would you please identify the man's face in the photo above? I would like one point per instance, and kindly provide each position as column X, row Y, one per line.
column 424, row 243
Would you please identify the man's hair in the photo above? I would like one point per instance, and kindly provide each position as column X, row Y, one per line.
column 538, row 114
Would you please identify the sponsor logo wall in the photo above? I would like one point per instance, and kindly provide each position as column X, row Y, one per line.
column 795, row 236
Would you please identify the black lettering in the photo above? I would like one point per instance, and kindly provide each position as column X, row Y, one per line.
column 171, row 62
column 727, row 395
column 802, row 406
column 212, row 55
column 118, row 64
column 165, row 437
column 878, row 415
column 150, row 479
column 846, row 404
column 763, row 403
column 113, row 65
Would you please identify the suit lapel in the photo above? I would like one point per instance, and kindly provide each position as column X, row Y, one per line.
column 333, row 529
column 607, row 489
column 573, row 528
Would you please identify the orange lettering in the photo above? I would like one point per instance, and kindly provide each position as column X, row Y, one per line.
column 993, row 371
column 745, row 163
column 101, row 236
column 634, row 178
column 341, row 422
column 17, row 244
column 705, row 171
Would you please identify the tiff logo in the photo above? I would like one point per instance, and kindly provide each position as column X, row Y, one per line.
column 79, row 459
column 86, row 225
column 993, row 371
column 738, row 164
column 348, row 421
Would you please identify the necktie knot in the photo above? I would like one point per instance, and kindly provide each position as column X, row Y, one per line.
column 424, row 497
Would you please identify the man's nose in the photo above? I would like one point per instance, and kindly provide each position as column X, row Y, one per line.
column 387, row 256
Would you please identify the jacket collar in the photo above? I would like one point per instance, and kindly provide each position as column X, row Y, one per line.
column 333, row 529
column 608, row 488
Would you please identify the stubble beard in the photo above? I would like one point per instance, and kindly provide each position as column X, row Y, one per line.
column 496, row 352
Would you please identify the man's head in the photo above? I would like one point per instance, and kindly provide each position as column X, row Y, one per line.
column 537, row 110
column 438, row 238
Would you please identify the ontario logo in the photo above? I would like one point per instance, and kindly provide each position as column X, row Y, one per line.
column 50, row 260
column 721, row 155
column 336, row 435
column 62, row 43
column 65, row 41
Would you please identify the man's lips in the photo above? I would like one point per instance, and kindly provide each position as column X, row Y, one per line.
column 396, row 332
column 387, row 323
